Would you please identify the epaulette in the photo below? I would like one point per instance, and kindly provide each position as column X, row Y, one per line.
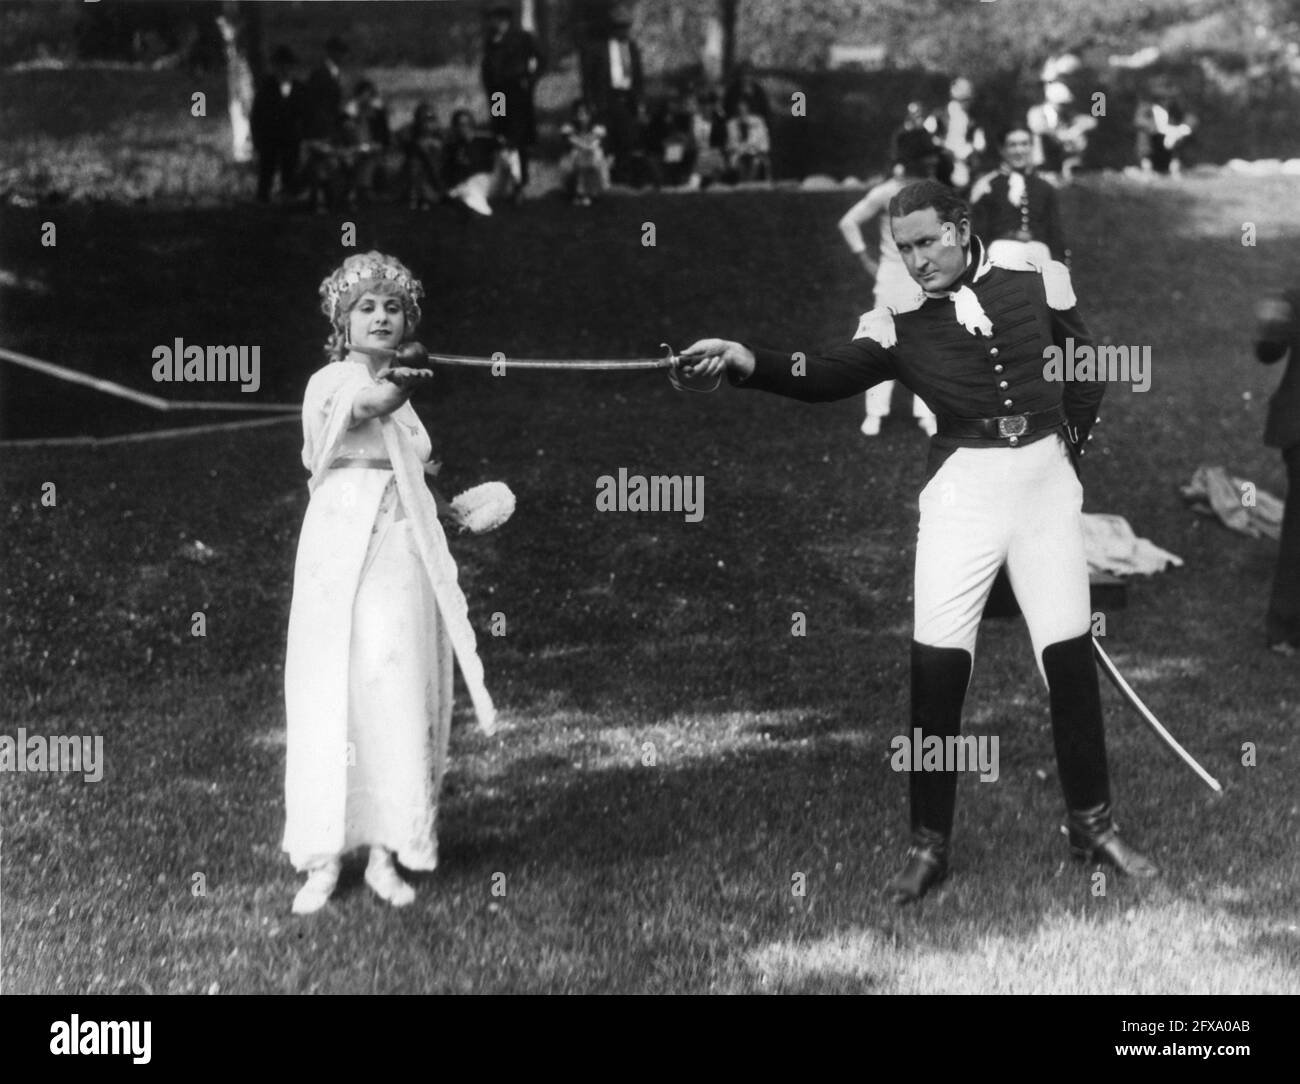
column 1056, row 281
column 1056, row 278
column 878, row 324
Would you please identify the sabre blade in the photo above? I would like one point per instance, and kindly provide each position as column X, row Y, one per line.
column 606, row 365
column 1112, row 672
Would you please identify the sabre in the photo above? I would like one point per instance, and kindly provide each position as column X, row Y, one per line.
column 1126, row 691
column 415, row 355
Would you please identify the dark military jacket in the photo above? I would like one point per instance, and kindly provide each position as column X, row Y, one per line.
column 1037, row 214
column 956, row 372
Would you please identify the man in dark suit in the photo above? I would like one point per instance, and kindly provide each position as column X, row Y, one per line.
column 279, row 112
column 613, row 82
column 1014, row 209
column 325, row 91
column 511, row 66
column 1002, row 489
column 1277, row 337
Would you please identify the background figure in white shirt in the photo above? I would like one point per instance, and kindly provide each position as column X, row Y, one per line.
column 917, row 158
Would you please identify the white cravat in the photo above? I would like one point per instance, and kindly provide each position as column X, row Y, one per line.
column 966, row 306
column 1015, row 187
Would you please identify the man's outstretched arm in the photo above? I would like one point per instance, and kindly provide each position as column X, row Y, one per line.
column 814, row 377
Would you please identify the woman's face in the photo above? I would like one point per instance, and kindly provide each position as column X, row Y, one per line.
column 377, row 320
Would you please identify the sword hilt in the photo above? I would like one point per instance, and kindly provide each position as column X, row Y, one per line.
column 688, row 382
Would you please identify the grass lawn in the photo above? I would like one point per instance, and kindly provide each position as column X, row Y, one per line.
column 672, row 757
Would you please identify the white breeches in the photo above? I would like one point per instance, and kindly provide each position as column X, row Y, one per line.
column 989, row 506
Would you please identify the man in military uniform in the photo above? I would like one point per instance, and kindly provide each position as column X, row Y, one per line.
column 1014, row 210
column 1003, row 489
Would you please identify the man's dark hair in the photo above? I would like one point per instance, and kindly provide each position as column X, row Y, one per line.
column 917, row 197
column 1008, row 132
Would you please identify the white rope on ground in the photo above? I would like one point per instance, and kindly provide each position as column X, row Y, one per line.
column 135, row 438
column 154, row 402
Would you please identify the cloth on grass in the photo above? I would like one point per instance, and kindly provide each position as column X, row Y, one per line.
column 1238, row 503
column 1111, row 545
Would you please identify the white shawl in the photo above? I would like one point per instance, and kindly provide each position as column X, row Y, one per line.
column 331, row 553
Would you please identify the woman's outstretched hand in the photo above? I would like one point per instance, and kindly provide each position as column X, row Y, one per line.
column 404, row 378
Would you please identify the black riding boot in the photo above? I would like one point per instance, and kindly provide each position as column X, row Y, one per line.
column 1081, row 758
column 939, row 679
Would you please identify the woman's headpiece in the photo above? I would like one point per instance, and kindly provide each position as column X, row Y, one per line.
column 371, row 271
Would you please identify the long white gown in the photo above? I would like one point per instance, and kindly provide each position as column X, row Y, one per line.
column 377, row 616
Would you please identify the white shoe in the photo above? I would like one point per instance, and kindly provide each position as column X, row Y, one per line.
column 382, row 876
column 929, row 425
column 871, row 426
column 316, row 893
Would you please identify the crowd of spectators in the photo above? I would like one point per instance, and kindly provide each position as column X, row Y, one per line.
column 333, row 146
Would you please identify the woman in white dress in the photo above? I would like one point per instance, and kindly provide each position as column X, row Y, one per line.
column 377, row 613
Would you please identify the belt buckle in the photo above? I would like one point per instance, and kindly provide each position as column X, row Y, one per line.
column 1017, row 425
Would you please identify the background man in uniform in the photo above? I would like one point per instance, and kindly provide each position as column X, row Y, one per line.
column 1277, row 337
column 511, row 66
column 1003, row 489
column 1014, row 210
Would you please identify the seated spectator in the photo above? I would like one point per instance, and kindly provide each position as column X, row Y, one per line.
column 585, row 167
column 709, row 138
column 475, row 168
column 679, row 141
column 421, row 143
column 748, row 145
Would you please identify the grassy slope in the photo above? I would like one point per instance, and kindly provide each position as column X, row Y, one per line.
column 771, row 752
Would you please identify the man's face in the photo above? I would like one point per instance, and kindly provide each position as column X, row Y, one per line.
column 1017, row 150
column 933, row 251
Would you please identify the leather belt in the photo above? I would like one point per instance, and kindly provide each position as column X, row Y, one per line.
column 1008, row 429
column 373, row 464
